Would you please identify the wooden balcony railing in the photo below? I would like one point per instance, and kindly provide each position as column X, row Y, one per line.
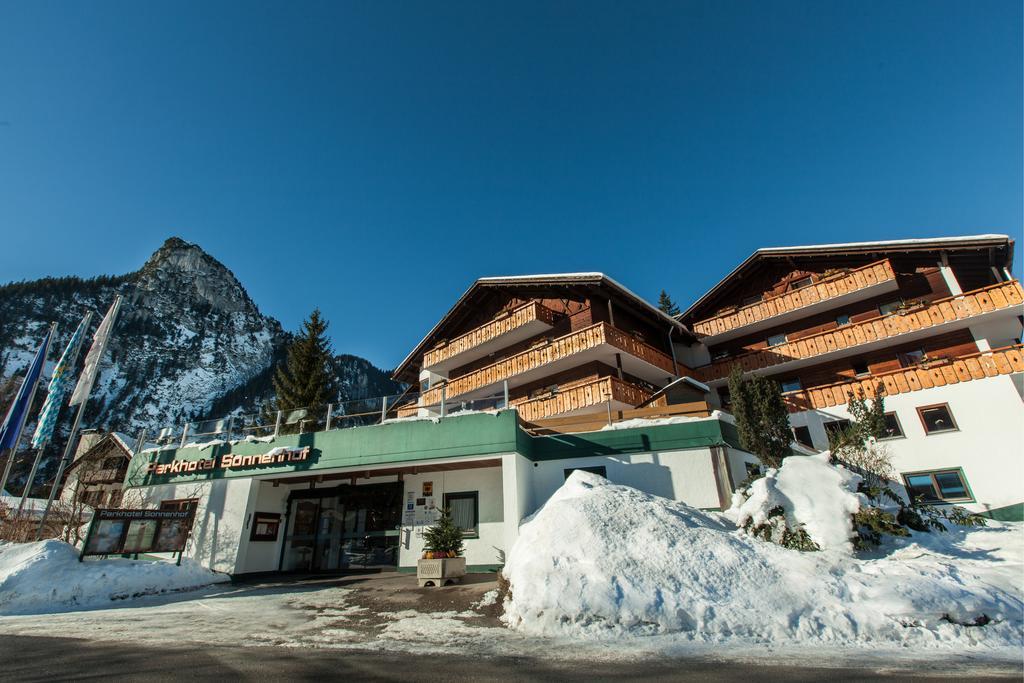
column 102, row 476
column 935, row 373
column 966, row 305
column 580, row 395
column 600, row 420
column 518, row 317
column 824, row 289
column 562, row 347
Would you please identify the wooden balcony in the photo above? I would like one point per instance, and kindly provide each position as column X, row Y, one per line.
column 935, row 373
column 580, row 396
column 773, row 310
column 940, row 313
column 527, row 320
column 103, row 476
column 640, row 359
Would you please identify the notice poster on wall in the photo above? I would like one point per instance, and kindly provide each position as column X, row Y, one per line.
column 409, row 513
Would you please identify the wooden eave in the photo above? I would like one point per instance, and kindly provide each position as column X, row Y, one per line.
column 997, row 249
column 581, row 285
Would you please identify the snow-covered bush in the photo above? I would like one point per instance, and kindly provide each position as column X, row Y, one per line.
column 807, row 504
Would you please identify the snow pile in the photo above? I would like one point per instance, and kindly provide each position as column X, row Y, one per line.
column 603, row 560
column 47, row 577
column 812, row 492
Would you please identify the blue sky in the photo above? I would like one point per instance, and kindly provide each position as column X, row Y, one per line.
column 374, row 158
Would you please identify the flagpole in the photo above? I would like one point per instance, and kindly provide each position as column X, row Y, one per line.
column 68, row 450
column 28, row 409
column 63, row 366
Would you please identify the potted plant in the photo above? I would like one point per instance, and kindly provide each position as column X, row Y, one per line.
column 442, row 562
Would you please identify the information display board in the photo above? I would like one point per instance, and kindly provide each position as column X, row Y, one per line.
column 121, row 532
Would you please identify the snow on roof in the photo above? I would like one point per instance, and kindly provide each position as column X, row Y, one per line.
column 888, row 243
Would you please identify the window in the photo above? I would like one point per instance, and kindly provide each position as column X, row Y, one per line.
column 265, row 526
column 890, row 307
column 801, row 283
column 860, row 368
column 937, row 419
column 791, row 384
column 186, row 504
column 776, row 339
column 753, row 470
column 911, row 358
column 893, row 429
column 719, row 354
column 802, row 435
column 465, row 511
column 597, row 469
column 724, row 399
column 842, row 320
column 424, row 384
column 940, row 486
column 834, row 428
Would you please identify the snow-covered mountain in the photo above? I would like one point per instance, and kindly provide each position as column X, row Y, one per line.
column 189, row 341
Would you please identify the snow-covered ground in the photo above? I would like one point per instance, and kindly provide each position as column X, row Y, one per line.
column 605, row 561
column 47, row 577
column 598, row 562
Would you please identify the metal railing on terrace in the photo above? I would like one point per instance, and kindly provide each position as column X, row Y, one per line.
column 342, row 415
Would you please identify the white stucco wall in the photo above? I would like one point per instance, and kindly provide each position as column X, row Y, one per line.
column 988, row 445
column 216, row 536
column 686, row 476
column 489, row 547
column 263, row 556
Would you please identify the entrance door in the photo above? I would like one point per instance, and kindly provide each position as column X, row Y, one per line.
column 346, row 526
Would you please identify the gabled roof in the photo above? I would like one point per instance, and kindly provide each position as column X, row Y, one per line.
column 593, row 279
column 1002, row 243
column 120, row 440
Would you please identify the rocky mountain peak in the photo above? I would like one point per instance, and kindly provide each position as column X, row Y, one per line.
column 180, row 269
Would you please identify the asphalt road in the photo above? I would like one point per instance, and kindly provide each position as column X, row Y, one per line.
column 49, row 659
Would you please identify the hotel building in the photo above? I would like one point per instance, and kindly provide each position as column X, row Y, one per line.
column 527, row 378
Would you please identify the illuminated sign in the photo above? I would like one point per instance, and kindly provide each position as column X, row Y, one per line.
column 278, row 456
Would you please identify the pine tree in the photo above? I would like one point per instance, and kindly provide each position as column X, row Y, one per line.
column 761, row 417
column 444, row 537
column 666, row 305
column 306, row 379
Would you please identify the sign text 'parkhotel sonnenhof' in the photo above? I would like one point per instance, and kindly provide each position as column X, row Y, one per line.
column 277, row 456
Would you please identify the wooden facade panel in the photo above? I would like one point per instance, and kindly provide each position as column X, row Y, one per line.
column 978, row 365
column 825, row 288
column 923, row 316
column 571, row 344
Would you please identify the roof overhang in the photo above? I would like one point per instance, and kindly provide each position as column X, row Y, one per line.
column 546, row 280
column 961, row 243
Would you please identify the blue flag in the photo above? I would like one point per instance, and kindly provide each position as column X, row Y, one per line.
column 23, row 401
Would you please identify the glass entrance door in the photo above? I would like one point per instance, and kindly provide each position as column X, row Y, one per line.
column 342, row 527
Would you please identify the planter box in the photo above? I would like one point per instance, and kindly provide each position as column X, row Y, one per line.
column 440, row 572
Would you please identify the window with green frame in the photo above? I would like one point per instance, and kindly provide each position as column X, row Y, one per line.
column 938, row 486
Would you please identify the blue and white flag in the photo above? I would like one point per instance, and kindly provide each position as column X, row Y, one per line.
column 59, row 384
column 11, row 428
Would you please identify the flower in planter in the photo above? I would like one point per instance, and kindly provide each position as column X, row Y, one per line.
column 444, row 539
